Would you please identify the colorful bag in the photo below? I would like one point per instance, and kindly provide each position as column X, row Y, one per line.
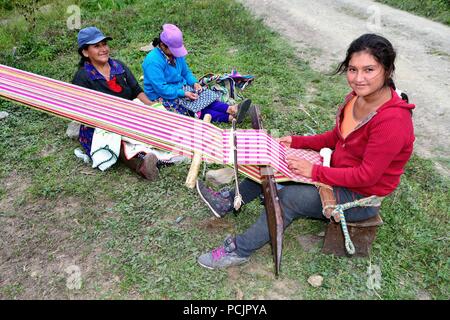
column 205, row 98
column 229, row 86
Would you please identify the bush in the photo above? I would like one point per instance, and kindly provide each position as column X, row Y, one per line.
column 438, row 10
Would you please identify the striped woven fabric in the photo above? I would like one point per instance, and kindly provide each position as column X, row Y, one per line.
column 159, row 128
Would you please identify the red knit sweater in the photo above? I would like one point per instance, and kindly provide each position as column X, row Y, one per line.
column 372, row 157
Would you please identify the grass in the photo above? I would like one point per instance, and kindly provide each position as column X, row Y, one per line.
column 437, row 10
column 122, row 231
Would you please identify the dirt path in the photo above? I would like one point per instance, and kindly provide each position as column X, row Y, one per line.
column 321, row 31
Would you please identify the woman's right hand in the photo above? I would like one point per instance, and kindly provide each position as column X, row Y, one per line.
column 191, row 95
column 285, row 141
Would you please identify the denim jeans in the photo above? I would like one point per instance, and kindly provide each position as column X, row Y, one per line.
column 297, row 201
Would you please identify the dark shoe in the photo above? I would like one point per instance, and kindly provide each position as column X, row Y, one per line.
column 242, row 110
column 148, row 168
column 219, row 203
column 222, row 257
column 164, row 163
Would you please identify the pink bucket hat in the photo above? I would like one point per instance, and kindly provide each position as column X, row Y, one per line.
column 173, row 38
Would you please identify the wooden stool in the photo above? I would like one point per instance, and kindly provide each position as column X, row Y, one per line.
column 362, row 234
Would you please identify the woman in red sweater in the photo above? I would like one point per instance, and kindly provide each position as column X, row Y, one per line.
column 372, row 141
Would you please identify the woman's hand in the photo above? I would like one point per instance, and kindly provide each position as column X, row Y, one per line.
column 285, row 141
column 300, row 166
column 191, row 95
column 197, row 87
column 144, row 99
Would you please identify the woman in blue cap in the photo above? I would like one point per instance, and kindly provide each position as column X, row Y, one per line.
column 97, row 71
column 168, row 78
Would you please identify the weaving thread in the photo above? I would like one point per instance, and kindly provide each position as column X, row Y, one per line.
column 159, row 128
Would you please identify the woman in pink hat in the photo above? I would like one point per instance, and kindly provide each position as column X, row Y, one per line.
column 168, row 78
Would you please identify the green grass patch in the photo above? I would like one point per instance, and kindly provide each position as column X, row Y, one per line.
column 122, row 230
column 437, row 10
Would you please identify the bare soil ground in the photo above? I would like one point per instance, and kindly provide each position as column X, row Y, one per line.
column 322, row 30
column 36, row 259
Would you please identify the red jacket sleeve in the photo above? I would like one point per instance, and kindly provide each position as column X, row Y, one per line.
column 386, row 139
column 316, row 142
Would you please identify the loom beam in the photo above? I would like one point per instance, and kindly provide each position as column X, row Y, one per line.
column 274, row 211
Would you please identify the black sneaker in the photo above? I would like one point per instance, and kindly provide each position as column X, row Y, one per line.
column 164, row 163
column 219, row 203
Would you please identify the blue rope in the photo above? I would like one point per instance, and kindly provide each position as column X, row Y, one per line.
column 349, row 246
column 372, row 201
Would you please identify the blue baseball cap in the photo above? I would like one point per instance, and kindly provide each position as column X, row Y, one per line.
column 90, row 35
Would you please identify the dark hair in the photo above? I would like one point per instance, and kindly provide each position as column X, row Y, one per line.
column 379, row 47
column 83, row 59
column 156, row 42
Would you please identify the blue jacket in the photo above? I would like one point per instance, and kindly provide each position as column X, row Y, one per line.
column 162, row 80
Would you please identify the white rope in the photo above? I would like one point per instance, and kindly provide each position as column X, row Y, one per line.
column 237, row 198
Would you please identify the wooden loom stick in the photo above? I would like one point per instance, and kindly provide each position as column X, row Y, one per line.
column 274, row 211
column 191, row 178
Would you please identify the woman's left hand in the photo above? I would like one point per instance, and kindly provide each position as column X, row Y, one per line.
column 198, row 88
column 300, row 166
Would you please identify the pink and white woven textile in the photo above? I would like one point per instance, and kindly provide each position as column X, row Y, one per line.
column 159, row 128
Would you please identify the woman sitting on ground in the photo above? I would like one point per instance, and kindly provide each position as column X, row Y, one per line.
column 372, row 142
column 168, row 78
column 97, row 71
